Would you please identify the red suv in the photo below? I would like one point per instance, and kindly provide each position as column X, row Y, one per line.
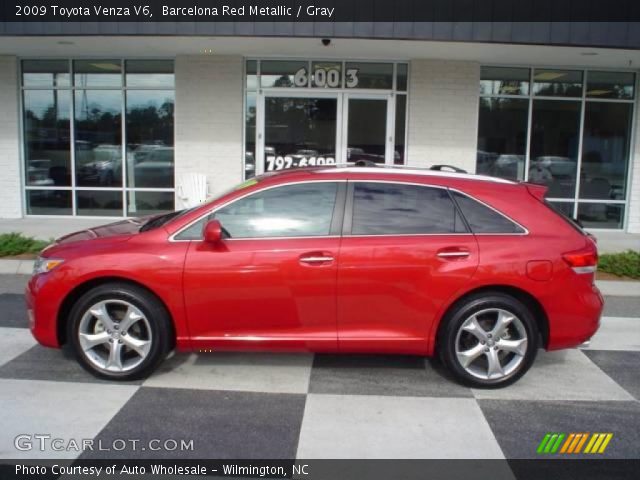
column 478, row 270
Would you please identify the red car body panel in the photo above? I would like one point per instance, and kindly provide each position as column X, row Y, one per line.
column 377, row 294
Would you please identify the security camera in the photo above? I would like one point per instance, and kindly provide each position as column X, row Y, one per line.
column 326, row 42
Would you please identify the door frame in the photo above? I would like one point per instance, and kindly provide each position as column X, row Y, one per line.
column 342, row 119
column 389, row 126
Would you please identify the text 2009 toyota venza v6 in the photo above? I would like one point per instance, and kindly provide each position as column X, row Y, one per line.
column 477, row 270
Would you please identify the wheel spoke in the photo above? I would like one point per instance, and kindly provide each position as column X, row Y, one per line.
column 474, row 328
column 494, row 366
column 89, row 341
column 114, row 363
column 100, row 312
column 141, row 347
column 504, row 320
column 131, row 316
column 519, row 347
column 467, row 357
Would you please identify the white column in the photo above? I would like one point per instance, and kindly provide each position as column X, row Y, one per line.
column 443, row 113
column 10, row 180
column 209, row 119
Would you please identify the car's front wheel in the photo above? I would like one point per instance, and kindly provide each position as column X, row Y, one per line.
column 119, row 331
column 489, row 340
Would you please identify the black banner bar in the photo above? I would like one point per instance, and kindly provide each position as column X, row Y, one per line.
column 533, row 469
column 319, row 11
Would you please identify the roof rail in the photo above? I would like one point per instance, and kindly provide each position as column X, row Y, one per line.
column 370, row 163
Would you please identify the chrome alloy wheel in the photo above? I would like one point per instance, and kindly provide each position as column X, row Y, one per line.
column 115, row 335
column 491, row 344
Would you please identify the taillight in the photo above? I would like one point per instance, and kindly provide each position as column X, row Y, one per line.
column 582, row 261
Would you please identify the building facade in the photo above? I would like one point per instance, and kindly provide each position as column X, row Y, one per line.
column 106, row 121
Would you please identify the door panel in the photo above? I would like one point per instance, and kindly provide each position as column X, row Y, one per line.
column 390, row 288
column 260, row 294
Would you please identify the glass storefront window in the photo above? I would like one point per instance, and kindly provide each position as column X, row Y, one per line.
column 98, row 142
column 282, row 73
column 148, row 203
column 149, row 129
column 601, row 215
column 97, row 73
column 95, row 144
column 369, row 75
column 250, row 136
column 402, row 74
column 45, row 73
column 557, row 83
column 610, row 85
column 252, row 75
column 47, row 132
column 605, row 150
column 49, row 202
column 326, row 74
column 555, row 132
column 592, row 187
column 504, row 81
column 502, row 137
column 96, row 203
column 401, row 115
column 149, row 73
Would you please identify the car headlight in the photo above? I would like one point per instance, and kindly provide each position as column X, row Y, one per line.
column 44, row 265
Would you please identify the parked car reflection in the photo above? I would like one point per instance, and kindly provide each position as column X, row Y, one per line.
column 99, row 166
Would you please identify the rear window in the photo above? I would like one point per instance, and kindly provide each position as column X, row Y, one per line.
column 397, row 209
column 483, row 219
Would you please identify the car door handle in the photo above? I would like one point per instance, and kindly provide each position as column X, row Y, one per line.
column 316, row 258
column 453, row 253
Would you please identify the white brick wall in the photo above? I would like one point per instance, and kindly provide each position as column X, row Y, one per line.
column 209, row 119
column 10, row 191
column 443, row 113
column 633, row 225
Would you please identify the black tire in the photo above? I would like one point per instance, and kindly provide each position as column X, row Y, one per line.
column 159, row 324
column 461, row 312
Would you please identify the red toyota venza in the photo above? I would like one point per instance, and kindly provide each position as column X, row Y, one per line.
column 477, row 270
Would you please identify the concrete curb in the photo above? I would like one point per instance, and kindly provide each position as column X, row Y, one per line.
column 607, row 287
column 13, row 267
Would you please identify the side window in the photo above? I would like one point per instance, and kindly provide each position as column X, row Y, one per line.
column 301, row 210
column 483, row 219
column 397, row 209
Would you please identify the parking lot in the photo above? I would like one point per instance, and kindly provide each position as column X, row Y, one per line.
column 233, row 405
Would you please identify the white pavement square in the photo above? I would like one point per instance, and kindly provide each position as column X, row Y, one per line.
column 13, row 342
column 249, row 372
column 369, row 427
column 561, row 375
column 617, row 333
column 63, row 410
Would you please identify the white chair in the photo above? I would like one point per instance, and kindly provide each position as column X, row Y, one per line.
column 192, row 189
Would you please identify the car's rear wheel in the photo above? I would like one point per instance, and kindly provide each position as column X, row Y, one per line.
column 489, row 340
column 119, row 331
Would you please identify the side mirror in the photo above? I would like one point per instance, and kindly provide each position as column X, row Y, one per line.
column 213, row 232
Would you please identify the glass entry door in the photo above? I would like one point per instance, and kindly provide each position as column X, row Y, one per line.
column 366, row 128
column 299, row 131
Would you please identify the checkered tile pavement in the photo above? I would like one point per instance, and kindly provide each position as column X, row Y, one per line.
column 237, row 405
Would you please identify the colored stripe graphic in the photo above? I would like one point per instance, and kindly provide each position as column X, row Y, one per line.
column 572, row 443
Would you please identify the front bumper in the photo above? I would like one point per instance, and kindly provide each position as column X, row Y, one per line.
column 42, row 308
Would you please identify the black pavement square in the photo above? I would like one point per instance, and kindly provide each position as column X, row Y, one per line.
column 397, row 375
column 13, row 311
column 222, row 424
column 520, row 426
column 621, row 366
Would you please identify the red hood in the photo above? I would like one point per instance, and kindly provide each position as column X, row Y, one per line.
column 124, row 227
